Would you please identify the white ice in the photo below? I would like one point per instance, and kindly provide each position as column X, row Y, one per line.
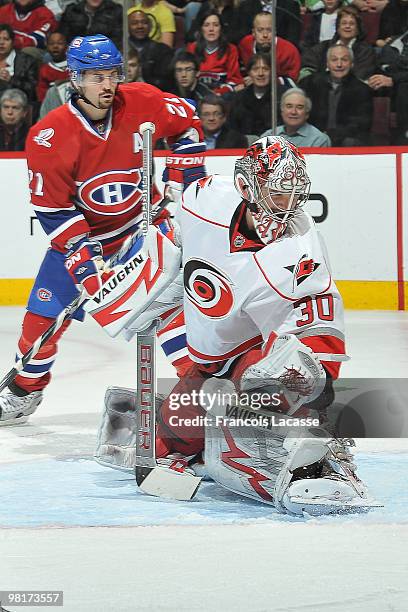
column 67, row 523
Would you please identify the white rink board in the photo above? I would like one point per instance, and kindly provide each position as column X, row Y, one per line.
column 360, row 227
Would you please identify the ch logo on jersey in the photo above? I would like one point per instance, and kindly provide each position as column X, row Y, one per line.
column 303, row 269
column 208, row 289
column 111, row 193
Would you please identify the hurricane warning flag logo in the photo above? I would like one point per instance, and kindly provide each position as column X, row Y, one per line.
column 208, row 289
column 303, row 269
column 111, row 193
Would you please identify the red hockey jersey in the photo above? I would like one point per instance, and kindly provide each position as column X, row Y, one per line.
column 84, row 182
column 48, row 74
column 31, row 29
column 288, row 59
column 222, row 74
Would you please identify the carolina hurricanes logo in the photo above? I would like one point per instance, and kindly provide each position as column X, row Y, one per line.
column 111, row 193
column 303, row 269
column 208, row 289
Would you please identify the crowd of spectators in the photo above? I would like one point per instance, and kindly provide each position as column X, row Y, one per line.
column 337, row 61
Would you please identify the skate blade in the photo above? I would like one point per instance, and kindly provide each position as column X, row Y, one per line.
column 321, row 507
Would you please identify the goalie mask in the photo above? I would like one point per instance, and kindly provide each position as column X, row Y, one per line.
column 272, row 179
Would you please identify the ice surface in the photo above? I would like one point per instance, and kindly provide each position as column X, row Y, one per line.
column 68, row 523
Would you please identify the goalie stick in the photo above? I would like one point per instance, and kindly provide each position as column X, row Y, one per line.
column 171, row 481
column 71, row 308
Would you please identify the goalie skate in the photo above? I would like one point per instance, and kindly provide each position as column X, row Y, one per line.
column 331, row 486
column 15, row 410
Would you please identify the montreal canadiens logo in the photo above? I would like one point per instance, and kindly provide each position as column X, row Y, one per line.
column 208, row 289
column 111, row 193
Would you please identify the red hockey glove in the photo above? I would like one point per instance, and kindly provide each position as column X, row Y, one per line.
column 83, row 262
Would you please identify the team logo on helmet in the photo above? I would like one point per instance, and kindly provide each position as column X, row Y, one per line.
column 111, row 193
column 208, row 289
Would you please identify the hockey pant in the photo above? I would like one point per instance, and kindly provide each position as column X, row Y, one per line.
column 53, row 290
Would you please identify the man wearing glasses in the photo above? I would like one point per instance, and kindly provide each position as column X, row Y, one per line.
column 217, row 135
column 186, row 73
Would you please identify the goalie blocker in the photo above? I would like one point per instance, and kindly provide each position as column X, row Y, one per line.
column 135, row 293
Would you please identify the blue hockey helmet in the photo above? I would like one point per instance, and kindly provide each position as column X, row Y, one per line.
column 93, row 52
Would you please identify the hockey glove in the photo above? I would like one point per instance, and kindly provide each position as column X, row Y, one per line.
column 184, row 166
column 84, row 262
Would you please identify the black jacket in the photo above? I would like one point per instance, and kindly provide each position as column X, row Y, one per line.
column 230, row 139
column 14, row 140
column 354, row 109
column 249, row 114
column 155, row 59
column 198, row 93
column 394, row 19
column 25, row 76
column 107, row 20
column 364, row 64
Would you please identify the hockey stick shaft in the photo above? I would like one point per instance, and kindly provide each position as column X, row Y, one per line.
column 146, row 342
column 69, row 310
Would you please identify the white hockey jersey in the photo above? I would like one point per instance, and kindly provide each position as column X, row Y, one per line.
column 238, row 291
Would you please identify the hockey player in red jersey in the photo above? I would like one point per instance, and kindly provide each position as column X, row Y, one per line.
column 261, row 310
column 85, row 171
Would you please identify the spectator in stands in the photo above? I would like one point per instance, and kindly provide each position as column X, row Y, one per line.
column 219, row 66
column 30, row 20
column 134, row 67
column 89, row 17
column 213, row 115
column 349, row 32
column 162, row 17
column 288, row 21
column 392, row 80
column 224, row 8
column 186, row 72
column 370, row 6
column 17, row 69
column 287, row 56
column 58, row 94
column 295, row 110
column 393, row 21
column 13, row 114
column 155, row 57
column 56, row 69
column 322, row 24
column 251, row 108
column 342, row 105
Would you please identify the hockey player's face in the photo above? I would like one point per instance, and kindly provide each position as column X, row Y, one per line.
column 100, row 86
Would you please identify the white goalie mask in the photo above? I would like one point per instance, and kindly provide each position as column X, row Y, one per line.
column 272, row 178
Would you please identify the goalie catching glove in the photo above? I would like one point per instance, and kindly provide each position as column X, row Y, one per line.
column 287, row 362
column 140, row 289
